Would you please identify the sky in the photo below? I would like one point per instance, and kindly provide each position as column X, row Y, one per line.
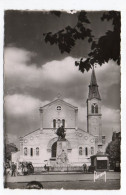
column 35, row 72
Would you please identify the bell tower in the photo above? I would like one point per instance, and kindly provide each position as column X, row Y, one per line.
column 94, row 125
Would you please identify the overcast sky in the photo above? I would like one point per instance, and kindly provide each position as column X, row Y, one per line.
column 36, row 72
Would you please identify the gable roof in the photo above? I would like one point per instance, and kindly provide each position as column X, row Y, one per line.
column 68, row 128
column 85, row 132
column 31, row 132
column 62, row 101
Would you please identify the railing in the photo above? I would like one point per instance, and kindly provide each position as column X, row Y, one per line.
column 59, row 168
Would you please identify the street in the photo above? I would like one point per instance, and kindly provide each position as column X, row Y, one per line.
column 66, row 181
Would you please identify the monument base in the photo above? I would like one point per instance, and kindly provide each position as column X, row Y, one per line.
column 62, row 156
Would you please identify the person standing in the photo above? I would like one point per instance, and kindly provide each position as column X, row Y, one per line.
column 45, row 167
column 25, row 170
column 13, row 169
column 84, row 168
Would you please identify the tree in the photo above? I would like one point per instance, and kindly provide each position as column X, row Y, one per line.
column 66, row 38
column 105, row 48
column 113, row 149
column 10, row 147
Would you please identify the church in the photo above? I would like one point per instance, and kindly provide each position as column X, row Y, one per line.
column 42, row 146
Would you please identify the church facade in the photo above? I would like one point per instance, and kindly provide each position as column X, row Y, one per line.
column 42, row 145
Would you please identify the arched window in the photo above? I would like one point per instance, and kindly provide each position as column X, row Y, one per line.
column 54, row 123
column 31, row 151
column 80, row 151
column 86, row 151
column 37, row 151
column 25, row 151
column 63, row 122
column 59, row 122
column 92, row 150
column 94, row 108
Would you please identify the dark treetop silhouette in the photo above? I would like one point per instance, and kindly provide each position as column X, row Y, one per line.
column 102, row 50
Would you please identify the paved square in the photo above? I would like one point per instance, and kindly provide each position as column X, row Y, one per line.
column 66, row 181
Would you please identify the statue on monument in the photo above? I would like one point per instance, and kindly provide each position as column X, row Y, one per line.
column 61, row 133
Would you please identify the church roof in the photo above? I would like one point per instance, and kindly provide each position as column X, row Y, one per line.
column 79, row 129
column 100, row 154
column 31, row 132
column 93, row 87
column 85, row 132
column 62, row 101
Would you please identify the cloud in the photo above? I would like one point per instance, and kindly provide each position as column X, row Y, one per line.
column 54, row 77
column 24, row 115
column 57, row 77
column 11, row 138
column 107, row 76
column 57, row 71
column 108, row 71
column 15, row 59
column 21, row 105
column 16, row 62
column 62, row 71
column 110, row 121
column 28, row 87
column 110, row 117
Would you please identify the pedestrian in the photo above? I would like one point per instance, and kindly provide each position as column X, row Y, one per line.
column 25, row 170
column 13, row 169
column 84, row 168
column 45, row 167
column 19, row 170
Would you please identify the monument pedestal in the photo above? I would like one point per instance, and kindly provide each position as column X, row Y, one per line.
column 61, row 156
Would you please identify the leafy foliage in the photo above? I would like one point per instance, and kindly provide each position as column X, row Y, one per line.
column 66, row 38
column 105, row 48
column 113, row 149
column 8, row 149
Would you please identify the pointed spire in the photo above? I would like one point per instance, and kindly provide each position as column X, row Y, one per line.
column 93, row 87
column 93, row 78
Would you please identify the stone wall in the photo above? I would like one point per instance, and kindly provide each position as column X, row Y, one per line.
column 44, row 141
